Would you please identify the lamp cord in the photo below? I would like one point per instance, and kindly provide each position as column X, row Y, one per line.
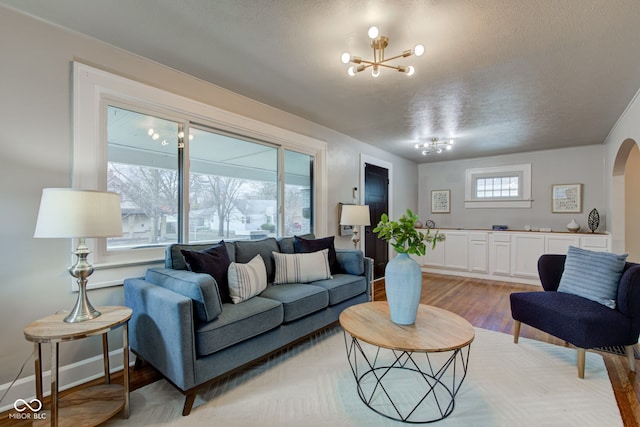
column 17, row 376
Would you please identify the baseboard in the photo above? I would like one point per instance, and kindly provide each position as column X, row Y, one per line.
column 69, row 376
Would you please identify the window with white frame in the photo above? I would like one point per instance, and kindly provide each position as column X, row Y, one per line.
column 189, row 172
column 501, row 186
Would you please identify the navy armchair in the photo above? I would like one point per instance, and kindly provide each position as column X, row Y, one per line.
column 579, row 321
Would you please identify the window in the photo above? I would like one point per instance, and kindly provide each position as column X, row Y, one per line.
column 502, row 186
column 187, row 172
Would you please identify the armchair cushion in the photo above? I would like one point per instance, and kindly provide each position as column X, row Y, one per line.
column 213, row 261
column 592, row 275
column 301, row 268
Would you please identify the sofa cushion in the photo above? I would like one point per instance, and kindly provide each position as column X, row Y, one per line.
column 174, row 259
column 301, row 268
column 201, row 288
column 247, row 280
column 592, row 275
column 302, row 245
column 286, row 243
column 247, row 249
column 238, row 322
column 298, row 300
column 343, row 287
column 213, row 261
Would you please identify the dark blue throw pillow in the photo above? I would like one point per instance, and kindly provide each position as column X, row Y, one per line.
column 213, row 261
column 301, row 245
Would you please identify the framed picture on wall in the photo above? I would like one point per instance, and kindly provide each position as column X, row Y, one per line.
column 566, row 198
column 440, row 201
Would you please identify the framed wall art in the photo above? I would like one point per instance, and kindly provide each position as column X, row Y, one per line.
column 440, row 201
column 566, row 198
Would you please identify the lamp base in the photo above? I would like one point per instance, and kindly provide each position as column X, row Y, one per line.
column 355, row 239
column 81, row 270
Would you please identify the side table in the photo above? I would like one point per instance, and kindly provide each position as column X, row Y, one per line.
column 92, row 405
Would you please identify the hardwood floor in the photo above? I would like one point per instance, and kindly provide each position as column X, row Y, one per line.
column 484, row 304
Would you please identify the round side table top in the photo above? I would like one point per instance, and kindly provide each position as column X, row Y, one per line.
column 54, row 328
column 435, row 329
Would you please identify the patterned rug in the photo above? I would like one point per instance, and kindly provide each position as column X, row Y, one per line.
column 526, row 384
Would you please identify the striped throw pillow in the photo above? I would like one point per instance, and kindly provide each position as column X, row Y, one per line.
column 592, row 275
column 246, row 280
column 301, row 267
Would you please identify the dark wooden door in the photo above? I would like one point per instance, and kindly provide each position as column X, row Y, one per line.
column 376, row 195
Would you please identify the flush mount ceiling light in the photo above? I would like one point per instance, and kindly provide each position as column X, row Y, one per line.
column 435, row 145
column 379, row 43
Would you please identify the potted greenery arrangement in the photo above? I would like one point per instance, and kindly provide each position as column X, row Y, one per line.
column 403, row 277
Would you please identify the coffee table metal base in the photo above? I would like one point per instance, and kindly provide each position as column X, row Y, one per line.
column 391, row 382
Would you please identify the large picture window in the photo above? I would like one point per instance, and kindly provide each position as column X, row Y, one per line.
column 187, row 172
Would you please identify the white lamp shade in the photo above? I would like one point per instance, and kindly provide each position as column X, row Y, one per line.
column 70, row 213
column 355, row 215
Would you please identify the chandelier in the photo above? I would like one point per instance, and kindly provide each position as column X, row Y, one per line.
column 435, row 145
column 379, row 43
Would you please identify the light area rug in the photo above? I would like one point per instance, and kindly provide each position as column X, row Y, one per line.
column 527, row 384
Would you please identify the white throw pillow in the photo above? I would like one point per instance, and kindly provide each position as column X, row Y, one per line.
column 246, row 280
column 301, row 267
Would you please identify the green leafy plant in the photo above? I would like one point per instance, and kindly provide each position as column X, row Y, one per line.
column 403, row 236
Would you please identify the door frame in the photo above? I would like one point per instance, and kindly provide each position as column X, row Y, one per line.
column 364, row 159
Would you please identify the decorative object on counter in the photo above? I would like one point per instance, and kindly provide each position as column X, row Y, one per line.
column 403, row 276
column 440, row 201
column 594, row 220
column 430, row 223
column 566, row 198
column 573, row 226
column 418, row 224
column 527, row 228
column 499, row 227
column 545, row 229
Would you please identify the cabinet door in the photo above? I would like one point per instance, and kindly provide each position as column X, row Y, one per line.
column 478, row 252
column 596, row 243
column 456, row 250
column 526, row 249
column 560, row 244
column 434, row 257
column 500, row 254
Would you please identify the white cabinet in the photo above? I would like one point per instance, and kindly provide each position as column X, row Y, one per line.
column 503, row 255
column 478, row 253
column 456, row 250
column 434, row 257
column 559, row 244
column 525, row 251
column 500, row 253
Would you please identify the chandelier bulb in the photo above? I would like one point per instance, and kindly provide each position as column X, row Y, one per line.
column 449, row 147
column 345, row 58
column 373, row 32
column 351, row 71
column 150, row 131
column 418, row 50
column 375, row 72
column 425, row 152
column 439, row 150
column 417, row 146
column 410, row 70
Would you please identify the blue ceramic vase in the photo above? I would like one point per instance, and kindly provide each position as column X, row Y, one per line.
column 403, row 285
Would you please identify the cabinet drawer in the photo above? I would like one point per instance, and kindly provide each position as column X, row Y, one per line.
column 499, row 237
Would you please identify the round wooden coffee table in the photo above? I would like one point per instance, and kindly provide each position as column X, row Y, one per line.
column 392, row 377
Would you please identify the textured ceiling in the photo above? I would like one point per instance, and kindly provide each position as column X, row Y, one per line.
column 499, row 76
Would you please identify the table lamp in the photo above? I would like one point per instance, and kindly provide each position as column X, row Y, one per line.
column 355, row 215
column 71, row 213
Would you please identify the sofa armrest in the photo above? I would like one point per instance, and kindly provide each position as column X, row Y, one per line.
column 353, row 261
column 628, row 299
column 161, row 330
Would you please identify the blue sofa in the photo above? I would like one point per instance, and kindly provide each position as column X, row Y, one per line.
column 181, row 326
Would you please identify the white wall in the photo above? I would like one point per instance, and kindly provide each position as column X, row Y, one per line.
column 619, row 143
column 583, row 165
column 35, row 152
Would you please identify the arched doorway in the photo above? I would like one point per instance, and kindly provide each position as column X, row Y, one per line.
column 625, row 226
